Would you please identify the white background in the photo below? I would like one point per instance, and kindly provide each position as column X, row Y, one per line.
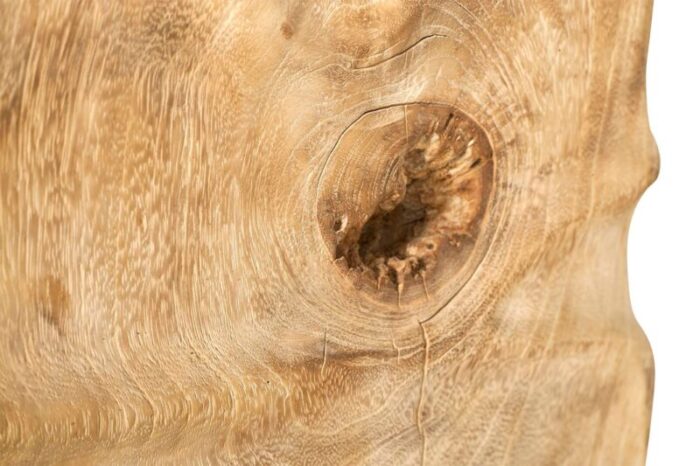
column 664, row 251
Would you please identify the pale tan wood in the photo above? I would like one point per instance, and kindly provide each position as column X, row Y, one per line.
column 208, row 210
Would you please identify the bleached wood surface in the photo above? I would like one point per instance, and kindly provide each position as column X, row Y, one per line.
column 186, row 270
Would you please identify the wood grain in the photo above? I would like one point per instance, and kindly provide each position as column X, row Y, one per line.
column 334, row 232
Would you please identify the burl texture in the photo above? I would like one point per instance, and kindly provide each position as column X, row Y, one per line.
column 332, row 232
